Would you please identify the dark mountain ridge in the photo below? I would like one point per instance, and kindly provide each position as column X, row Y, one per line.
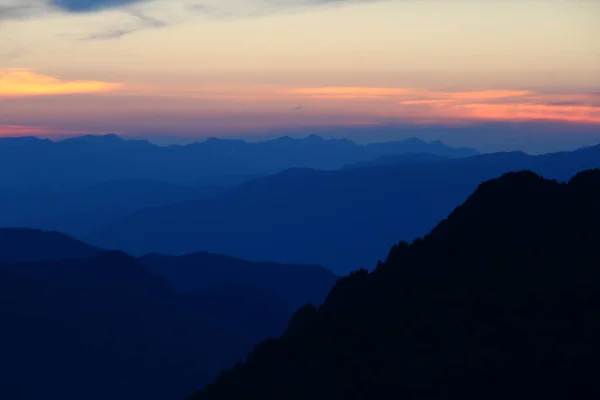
column 56, row 256
column 103, row 323
column 500, row 300
column 29, row 245
column 296, row 284
column 110, row 321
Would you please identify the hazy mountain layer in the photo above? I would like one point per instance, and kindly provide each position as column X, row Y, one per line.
column 340, row 219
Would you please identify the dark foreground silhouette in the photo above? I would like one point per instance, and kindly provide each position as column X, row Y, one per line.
column 501, row 300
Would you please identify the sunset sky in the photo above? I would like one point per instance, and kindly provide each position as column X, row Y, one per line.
column 242, row 67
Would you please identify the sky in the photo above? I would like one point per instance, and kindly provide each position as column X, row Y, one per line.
column 194, row 69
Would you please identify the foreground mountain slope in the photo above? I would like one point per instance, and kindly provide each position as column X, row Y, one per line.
column 292, row 284
column 501, row 300
column 21, row 245
column 250, row 313
column 339, row 219
column 101, row 327
column 75, row 317
column 296, row 284
column 256, row 298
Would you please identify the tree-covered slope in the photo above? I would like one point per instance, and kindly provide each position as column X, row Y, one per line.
column 501, row 300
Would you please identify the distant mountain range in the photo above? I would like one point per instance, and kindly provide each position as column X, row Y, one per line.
column 77, row 210
column 81, row 184
column 343, row 219
column 394, row 159
column 499, row 301
column 76, row 317
column 88, row 160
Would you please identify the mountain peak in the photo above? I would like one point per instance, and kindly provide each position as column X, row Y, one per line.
column 112, row 136
column 515, row 179
column 416, row 140
column 284, row 138
column 314, row 138
column 95, row 139
column 589, row 178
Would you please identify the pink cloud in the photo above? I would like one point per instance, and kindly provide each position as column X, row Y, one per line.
column 21, row 130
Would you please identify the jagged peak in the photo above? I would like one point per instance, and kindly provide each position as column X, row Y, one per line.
column 314, row 137
column 589, row 178
column 510, row 180
column 413, row 140
column 110, row 137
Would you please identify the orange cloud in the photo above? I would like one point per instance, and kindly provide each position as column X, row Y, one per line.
column 351, row 91
column 426, row 102
column 22, row 82
column 512, row 112
column 418, row 105
column 481, row 95
column 410, row 94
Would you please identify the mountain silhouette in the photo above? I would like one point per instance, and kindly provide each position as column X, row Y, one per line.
column 407, row 158
column 103, row 323
column 296, row 284
column 78, row 210
column 22, row 245
column 257, row 312
column 500, row 300
column 343, row 219
column 32, row 162
column 82, row 184
column 77, row 317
